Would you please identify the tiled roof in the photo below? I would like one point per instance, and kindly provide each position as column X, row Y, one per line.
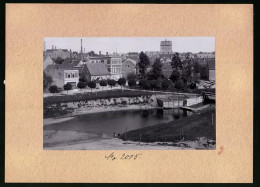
column 68, row 64
column 97, row 69
column 135, row 58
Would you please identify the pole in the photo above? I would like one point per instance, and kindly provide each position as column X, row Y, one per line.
column 125, row 132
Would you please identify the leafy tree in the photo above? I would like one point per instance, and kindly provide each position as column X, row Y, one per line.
column 166, row 84
column 156, row 72
column 196, row 67
column 132, row 83
column 175, row 76
column 111, row 83
column 47, row 80
column 192, row 85
column 58, row 60
column 179, row 85
column 92, row 85
column 143, row 63
column 81, row 85
column 67, row 87
column 82, row 79
column 155, row 85
column 176, row 62
column 204, row 73
column 121, row 82
column 131, row 76
column 53, row 89
column 103, row 83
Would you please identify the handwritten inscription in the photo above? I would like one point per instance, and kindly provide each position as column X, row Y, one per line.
column 221, row 150
column 124, row 156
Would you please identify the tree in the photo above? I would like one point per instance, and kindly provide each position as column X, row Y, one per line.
column 47, row 80
column 81, row 85
column 176, row 62
column 121, row 82
column 166, row 84
column 58, row 60
column 83, row 79
column 192, row 85
column 175, row 76
column 196, row 67
column 179, row 85
column 204, row 73
column 131, row 76
column 103, row 83
column 92, row 85
column 156, row 72
column 155, row 85
column 53, row 89
column 111, row 83
column 132, row 83
column 67, row 87
column 143, row 63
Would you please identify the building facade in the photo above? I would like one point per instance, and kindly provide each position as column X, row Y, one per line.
column 115, row 67
column 61, row 77
column 128, row 66
column 166, row 47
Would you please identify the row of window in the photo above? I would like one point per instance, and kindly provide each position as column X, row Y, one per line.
column 71, row 75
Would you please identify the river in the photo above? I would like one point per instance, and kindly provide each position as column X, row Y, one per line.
column 118, row 121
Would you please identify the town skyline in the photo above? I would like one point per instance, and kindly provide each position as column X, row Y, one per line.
column 131, row 44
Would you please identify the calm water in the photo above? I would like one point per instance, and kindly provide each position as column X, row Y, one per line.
column 119, row 121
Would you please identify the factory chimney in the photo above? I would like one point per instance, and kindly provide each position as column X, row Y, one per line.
column 81, row 51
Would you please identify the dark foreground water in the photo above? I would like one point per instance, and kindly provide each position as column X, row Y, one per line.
column 119, row 121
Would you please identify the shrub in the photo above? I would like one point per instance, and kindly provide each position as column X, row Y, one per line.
column 81, row 85
column 53, row 89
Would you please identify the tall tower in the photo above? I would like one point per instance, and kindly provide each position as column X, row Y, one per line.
column 166, row 46
column 81, row 52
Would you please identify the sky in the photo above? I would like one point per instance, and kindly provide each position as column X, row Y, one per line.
column 131, row 44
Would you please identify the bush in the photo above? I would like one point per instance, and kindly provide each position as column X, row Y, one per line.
column 67, row 87
column 53, row 89
column 81, row 85
column 111, row 83
column 131, row 83
column 92, row 85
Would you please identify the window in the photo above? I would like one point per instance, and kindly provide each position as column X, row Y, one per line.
column 73, row 75
column 68, row 75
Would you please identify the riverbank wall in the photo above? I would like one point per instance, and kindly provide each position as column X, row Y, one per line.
column 80, row 107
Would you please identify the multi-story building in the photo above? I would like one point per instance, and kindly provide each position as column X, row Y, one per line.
column 115, row 67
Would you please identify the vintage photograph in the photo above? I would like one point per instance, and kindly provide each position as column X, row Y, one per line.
column 129, row 93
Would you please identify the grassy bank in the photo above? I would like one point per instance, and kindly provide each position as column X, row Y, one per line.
column 96, row 95
column 188, row 128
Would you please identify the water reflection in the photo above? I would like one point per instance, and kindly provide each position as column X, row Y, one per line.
column 119, row 121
